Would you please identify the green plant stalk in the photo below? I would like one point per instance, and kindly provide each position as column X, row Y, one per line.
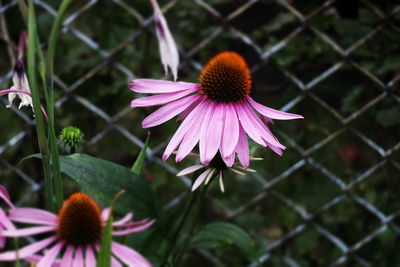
column 40, row 127
column 194, row 197
column 49, row 71
column 23, row 8
column 51, row 50
column 192, row 227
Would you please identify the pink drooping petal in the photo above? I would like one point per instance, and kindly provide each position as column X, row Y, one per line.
column 242, row 149
column 90, row 259
column 78, row 260
column 5, row 221
column 135, row 229
column 260, row 127
column 191, row 138
column 272, row 113
column 211, row 134
column 208, row 113
column 129, row 256
column 189, row 170
column 248, row 126
column 136, row 223
column 187, row 111
column 200, row 179
column 31, row 215
column 151, row 86
column 105, row 213
column 2, row 238
column 28, row 231
column 5, row 196
column 231, row 131
column 168, row 111
column 115, row 262
column 230, row 160
column 277, row 150
column 182, row 130
column 67, row 257
column 123, row 220
column 27, row 250
column 160, row 99
column 50, row 255
column 268, row 120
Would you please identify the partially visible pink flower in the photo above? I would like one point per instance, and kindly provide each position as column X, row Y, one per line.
column 168, row 50
column 5, row 222
column 216, row 168
column 217, row 113
column 76, row 234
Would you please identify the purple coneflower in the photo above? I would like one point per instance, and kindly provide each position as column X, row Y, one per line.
column 77, row 231
column 217, row 113
column 168, row 50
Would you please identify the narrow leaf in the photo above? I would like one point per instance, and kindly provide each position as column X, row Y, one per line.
column 104, row 257
column 137, row 167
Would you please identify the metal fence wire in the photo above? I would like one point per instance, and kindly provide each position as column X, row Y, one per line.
column 330, row 200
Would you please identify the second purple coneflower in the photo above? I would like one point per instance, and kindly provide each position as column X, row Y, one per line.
column 76, row 234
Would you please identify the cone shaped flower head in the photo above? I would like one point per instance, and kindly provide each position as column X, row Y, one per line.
column 71, row 139
column 218, row 113
column 75, row 235
column 168, row 50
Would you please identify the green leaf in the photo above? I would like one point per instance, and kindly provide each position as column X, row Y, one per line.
column 221, row 234
column 103, row 179
column 139, row 163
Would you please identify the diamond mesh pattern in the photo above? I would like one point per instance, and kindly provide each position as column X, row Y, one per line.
column 334, row 149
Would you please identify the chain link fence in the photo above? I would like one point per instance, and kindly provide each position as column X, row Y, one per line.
column 331, row 200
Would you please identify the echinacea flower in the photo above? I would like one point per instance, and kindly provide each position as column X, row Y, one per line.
column 76, row 233
column 215, row 168
column 5, row 222
column 217, row 113
column 168, row 50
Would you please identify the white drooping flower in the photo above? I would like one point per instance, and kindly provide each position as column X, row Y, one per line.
column 168, row 50
column 20, row 82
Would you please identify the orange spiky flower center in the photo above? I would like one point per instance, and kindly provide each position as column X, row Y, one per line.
column 226, row 78
column 79, row 220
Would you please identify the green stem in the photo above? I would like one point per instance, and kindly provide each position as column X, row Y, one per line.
column 193, row 225
column 40, row 127
column 58, row 188
column 23, row 8
column 181, row 223
column 53, row 39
